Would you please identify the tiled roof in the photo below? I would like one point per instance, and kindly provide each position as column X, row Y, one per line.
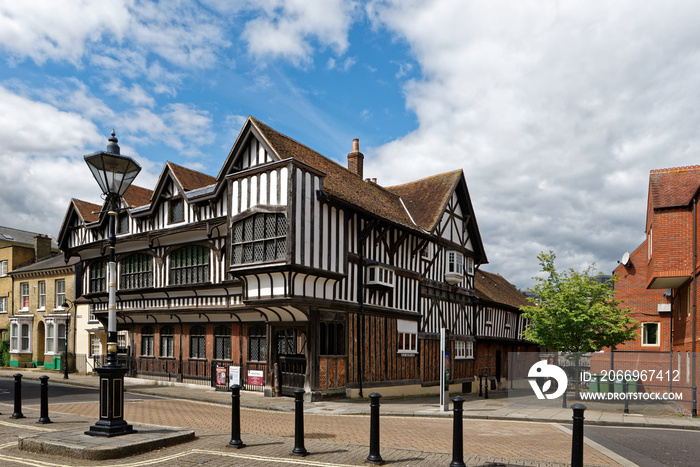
column 426, row 199
column 339, row 181
column 88, row 211
column 55, row 262
column 494, row 288
column 190, row 179
column 9, row 234
column 673, row 187
column 137, row 196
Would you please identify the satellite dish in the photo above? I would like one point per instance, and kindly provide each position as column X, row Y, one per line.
column 625, row 259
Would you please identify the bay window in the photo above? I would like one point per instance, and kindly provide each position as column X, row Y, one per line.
column 259, row 238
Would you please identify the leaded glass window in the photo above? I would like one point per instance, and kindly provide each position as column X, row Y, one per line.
column 257, row 338
column 286, row 342
column 189, row 265
column 167, row 341
column 147, row 340
column 136, row 271
column 259, row 238
column 177, row 210
column 98, row 278
column 222, row 343
column 198, row 342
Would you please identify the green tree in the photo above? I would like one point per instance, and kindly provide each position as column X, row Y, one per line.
column 575, row 312
column 5, row 352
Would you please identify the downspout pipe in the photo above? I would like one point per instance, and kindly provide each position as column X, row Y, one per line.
column 361, row 303
column 695, row 262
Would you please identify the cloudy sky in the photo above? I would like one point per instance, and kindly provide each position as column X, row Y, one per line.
column 555, row 110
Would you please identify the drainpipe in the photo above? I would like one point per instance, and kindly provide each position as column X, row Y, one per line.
column 361, row 302
column 695, row 259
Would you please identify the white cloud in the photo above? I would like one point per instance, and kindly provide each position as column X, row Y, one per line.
column 135, row 95
column 179, row 126
column 58, row 29
column 287, row 28
column 556, row 112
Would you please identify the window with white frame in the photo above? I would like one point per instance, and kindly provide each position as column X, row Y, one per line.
column 3, row 304
column 42, row 295
column 650, row 333
column 50, row 337
column 20, row 335
column 454, row 272
column 3, row 268
column 55, row 342
column 470, row 265
column 14, row 336
column 407, row 336
column 464, row 350
column 60, row 293
column 24, row 296
column 95, row 345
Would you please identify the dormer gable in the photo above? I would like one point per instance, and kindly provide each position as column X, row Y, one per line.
column 441, row 205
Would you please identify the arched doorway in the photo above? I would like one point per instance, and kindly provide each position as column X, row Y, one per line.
column 40, row 341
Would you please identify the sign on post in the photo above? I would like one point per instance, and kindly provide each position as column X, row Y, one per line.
column 234, row 375
column 256, row 377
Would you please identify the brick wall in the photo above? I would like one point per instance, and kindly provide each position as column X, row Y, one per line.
column 631, row 289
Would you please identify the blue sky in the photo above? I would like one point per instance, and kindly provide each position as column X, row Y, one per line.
column 556, row 111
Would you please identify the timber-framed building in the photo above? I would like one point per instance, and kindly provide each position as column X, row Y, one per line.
column 293, row 267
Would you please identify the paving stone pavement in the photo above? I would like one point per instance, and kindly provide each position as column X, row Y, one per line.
column 332, row 439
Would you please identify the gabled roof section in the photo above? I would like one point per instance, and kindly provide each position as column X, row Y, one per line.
column 339, row 181
column 494, row 288
column 673, row 187
column 88, row 212
column 185, row 178
column 137, row 196
column 190, row 179
column 427, row 198
column 23, row 237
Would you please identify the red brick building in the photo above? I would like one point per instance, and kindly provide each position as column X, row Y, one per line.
column 659, row 280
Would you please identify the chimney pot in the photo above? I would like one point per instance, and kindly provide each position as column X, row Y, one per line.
column 356, row 158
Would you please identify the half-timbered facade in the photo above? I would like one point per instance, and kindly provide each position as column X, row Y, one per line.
column 291, row 266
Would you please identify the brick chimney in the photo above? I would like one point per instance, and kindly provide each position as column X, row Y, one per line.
column 42, row 247
column 356, row 158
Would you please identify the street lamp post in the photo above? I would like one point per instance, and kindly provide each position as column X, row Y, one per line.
column 114, row 173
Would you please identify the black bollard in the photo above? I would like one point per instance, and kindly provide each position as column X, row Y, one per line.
column 457, row 433
column 374, row 457
column 694, row 409
column 577, row 436
column 563, row 401
column 624, row 390
column 44, row 411
column 299, row 449
column 486, row 387
column 18, row 397
column 236, row 418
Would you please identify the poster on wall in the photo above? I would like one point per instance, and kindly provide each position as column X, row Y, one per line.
column 234, row 375
column 255, row 377
column 221, row 376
